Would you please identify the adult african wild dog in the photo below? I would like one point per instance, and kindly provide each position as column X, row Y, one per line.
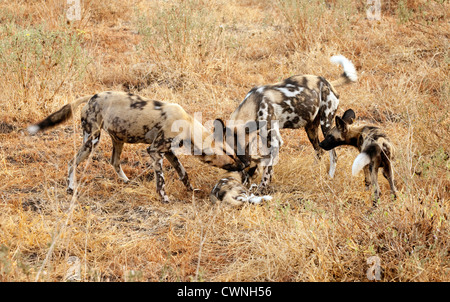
column 299, row 101
column 375, row 150
column 231, row 190
column 130, row 118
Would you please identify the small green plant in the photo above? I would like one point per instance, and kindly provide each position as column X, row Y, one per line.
column 5, row 263
column 133, row 276
column 403, row 12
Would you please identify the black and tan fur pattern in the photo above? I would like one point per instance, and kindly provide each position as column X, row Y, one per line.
column 132, row 119
column 231, row 190
column 299, row 101
column 376, row 151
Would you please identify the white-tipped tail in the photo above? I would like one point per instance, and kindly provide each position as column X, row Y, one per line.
column 33, row 129
column 349, row 68
column 360, row 162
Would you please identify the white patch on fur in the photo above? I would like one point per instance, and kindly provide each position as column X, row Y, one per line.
column 290, row 94
column 253, row 186
column 360, row 162
column 261, row 89
column 122, row 175
column 258, row 199
column 349, row 68
column 334, row 105
column 241, row 198
column 33, row 129
column 95, row 141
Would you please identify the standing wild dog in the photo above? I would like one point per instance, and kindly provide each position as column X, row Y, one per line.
column 132, row 119
column 231, row 190
column 376, row 151
column 299, row 101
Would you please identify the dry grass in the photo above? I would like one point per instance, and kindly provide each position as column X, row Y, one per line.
column 206, row 55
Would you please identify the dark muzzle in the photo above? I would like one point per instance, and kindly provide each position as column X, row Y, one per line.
column 325, row 145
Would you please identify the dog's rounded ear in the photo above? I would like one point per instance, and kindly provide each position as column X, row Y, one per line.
column 341, row 125
column 349, row 116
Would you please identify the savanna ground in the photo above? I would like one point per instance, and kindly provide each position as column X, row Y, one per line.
column 206, row 55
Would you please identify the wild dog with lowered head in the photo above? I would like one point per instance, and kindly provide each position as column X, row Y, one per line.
column 376, row 151
column 231, row 190
column 299, row 101
column 132, row 119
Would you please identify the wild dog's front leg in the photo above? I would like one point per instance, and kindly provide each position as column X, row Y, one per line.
column 273, row 141
column 312, row 130
column 157, row 158
column 171, row 157
column 389, row 175
column 265, row 180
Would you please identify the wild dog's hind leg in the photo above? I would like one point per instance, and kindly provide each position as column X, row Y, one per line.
column 173, row 159
column 273, row 142
column 312, row 130
column 367, row 180
column 115, row 159
column 157, row 157
column 389, row 175
column 90, row 141
column 373, row 170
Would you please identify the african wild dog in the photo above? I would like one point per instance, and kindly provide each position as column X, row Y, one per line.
column 299, row 101
column 231, row 190
column 375, row 150
column 130, row 118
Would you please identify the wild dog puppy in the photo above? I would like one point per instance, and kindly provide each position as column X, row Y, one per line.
column 376, row 151
column 231, row 190
column 129, row 118
column 299, row 101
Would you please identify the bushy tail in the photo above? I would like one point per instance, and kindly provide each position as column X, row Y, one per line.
column 349, row 74
column 59, row 116
column 364, row 158
column 360, row 162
